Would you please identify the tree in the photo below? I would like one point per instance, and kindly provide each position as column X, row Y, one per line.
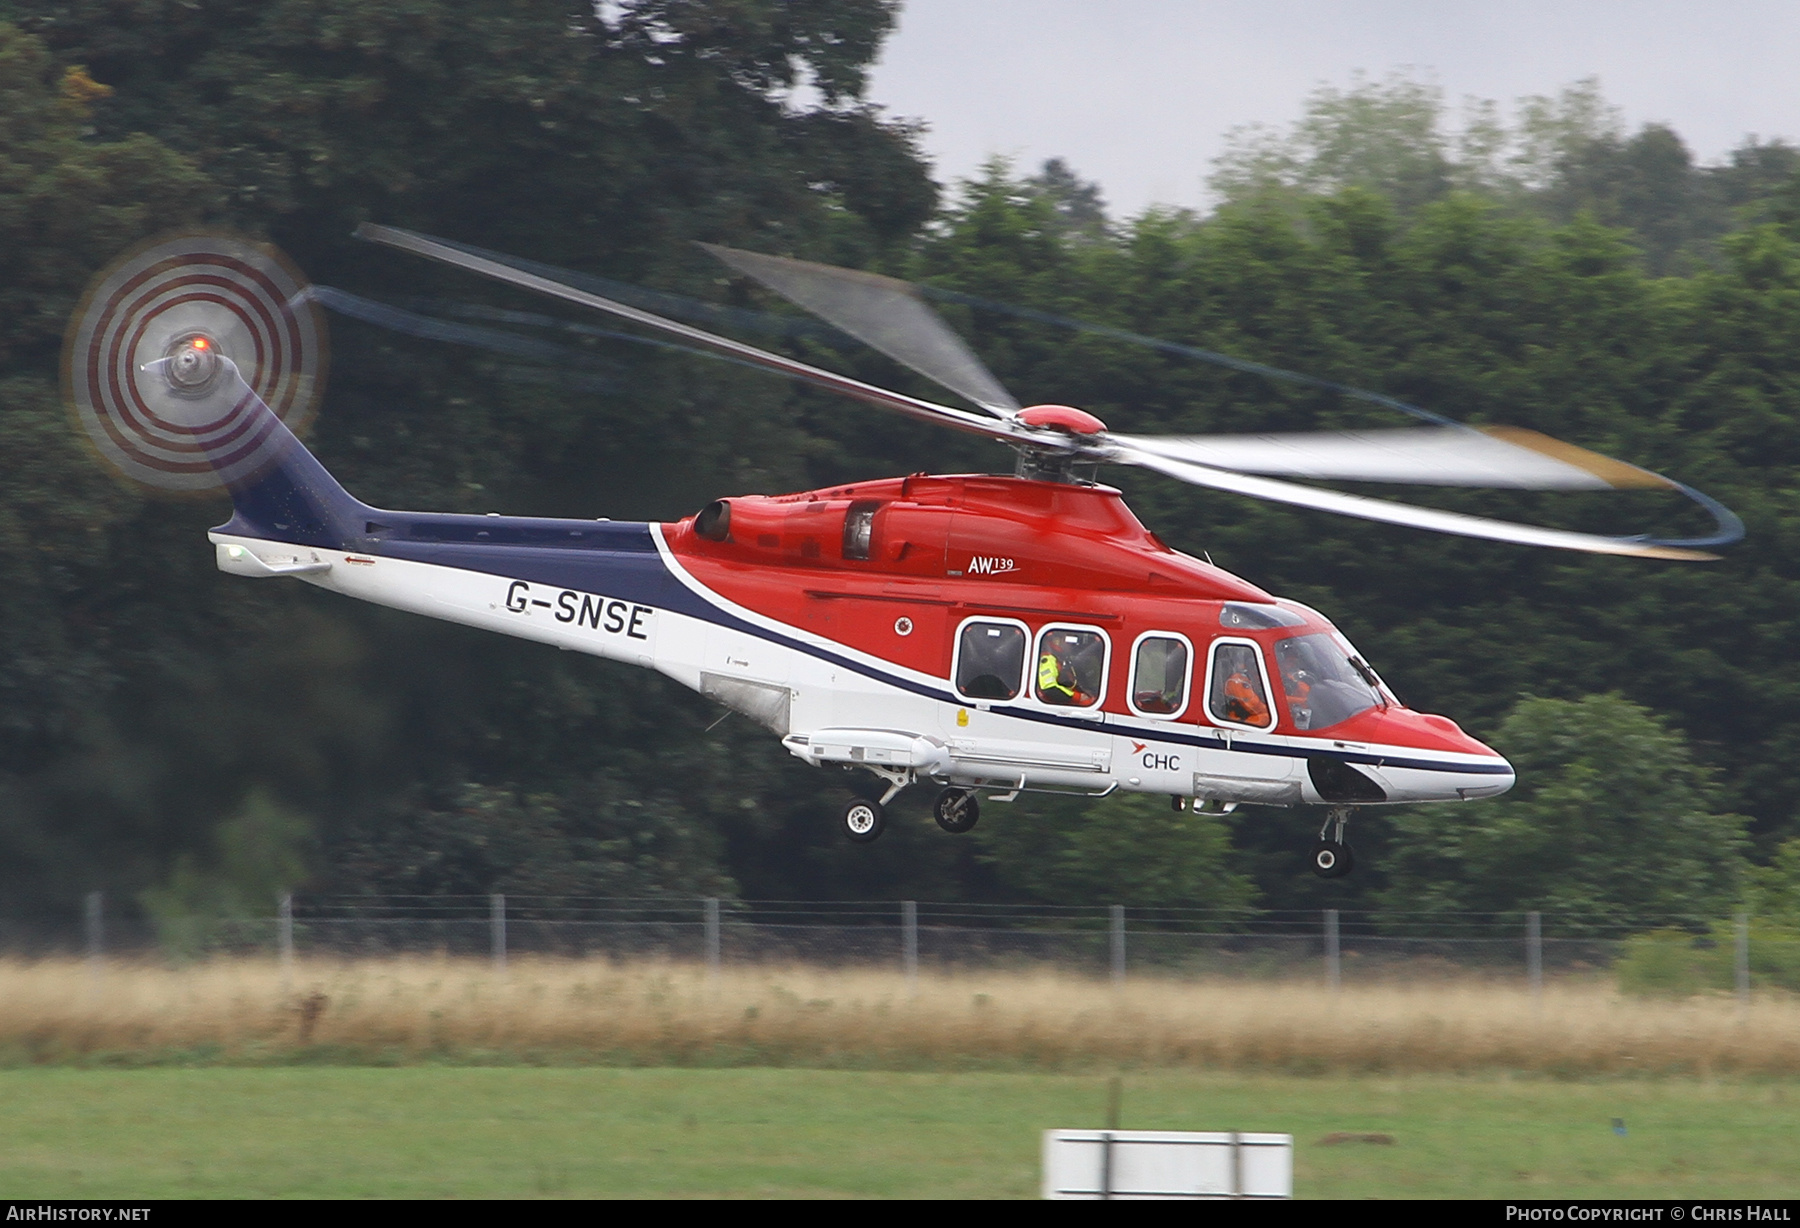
column 145, row 697
column 1774, row 889
column 1129, row 849
column 1561, row 156
column 592, row 840
column 1647, row 184
column 259, row 854
column 1612, row 820
column 69, row 202
column 1080, row 207
column 1386, row 135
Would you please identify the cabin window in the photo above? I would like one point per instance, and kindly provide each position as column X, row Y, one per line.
column 990, row 659
column 1070, row 667
column 859, row 530
column 1159, row 675
column 1322, row 682
column 1237, row 693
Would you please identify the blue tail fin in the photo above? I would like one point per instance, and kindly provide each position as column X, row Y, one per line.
column 289, row 496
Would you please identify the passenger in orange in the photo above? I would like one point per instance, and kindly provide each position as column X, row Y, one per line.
column 1243, row 703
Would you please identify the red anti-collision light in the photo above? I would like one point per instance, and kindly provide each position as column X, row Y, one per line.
column 1063, row 418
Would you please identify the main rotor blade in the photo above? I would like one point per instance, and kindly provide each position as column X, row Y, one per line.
column 882, row 312
column 1495, row 456
column 1397, row 513
column 424, row 245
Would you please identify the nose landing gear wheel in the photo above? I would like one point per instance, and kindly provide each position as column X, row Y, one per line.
column 956, row 810
column 1331, row 859
column 863, row 820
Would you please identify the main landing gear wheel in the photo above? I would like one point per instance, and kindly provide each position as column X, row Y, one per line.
column 1332, row 860
column 863, row 820
column 956, row 810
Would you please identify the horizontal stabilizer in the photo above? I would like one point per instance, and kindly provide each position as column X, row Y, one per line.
column 243, row 561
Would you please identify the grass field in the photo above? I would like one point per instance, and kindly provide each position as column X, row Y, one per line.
column 400, row 1011
column 440, row 1077
column 513, row 1132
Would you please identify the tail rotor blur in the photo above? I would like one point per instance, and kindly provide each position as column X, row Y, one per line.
column 173, row 349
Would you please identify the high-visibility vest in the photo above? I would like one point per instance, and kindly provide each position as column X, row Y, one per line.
column 1050, row 675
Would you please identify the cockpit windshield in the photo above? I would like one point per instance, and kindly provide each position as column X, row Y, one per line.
column 1324, row 684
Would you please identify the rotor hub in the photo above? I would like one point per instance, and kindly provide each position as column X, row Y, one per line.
column 192, row 365
column 1065, row 418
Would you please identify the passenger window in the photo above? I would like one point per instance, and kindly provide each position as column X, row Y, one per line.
column 1235, row 694
column 1159, row 675
column 1071, row 667
column 990, row 660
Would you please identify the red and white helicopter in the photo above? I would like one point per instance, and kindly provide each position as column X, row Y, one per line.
column 983, row 634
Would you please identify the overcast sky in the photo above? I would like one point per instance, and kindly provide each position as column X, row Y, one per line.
column 1139, row 94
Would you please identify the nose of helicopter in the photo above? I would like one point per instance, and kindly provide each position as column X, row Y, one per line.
column 1497, row 777
column 1445, row 764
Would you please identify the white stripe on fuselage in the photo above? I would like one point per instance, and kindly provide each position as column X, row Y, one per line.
column 833, row 684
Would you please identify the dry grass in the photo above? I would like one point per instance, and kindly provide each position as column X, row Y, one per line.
column 421, row 1009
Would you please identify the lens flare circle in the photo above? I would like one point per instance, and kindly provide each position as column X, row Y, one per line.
column 142, row 357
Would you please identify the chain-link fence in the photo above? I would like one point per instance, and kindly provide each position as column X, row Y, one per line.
column 1111, row 940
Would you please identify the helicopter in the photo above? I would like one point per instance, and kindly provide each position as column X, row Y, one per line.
column 983, row 635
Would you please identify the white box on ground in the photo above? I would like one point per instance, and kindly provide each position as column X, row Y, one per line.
column 1167, row 1164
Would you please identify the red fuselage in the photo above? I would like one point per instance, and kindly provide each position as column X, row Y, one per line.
column 943, row 549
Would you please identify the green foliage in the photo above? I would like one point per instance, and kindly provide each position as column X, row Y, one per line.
column 1386, row 135
column 1127, row 849
column 594, row 840
column 1677, row 962
column 1561, row 157
column 1611, row 819
column 142, row 695
column 1079, row 207
column 259, row 854
column 1500, row 317
column 1774, row 889
column 68, row 204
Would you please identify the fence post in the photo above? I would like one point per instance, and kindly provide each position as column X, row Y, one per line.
column 497, row 929
column 96, row 934
column 1741, row 962
column 1534, row 955
column 1113, row 1090
column 284, row 938
column 909, row 944
column 1332, row 970
column 712, row 938
column 1118, row 945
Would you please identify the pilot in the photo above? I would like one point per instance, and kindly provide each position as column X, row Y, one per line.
column 1297, row 683
column 1244, row 701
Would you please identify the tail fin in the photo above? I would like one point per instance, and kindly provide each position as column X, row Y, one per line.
column 283, row 493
